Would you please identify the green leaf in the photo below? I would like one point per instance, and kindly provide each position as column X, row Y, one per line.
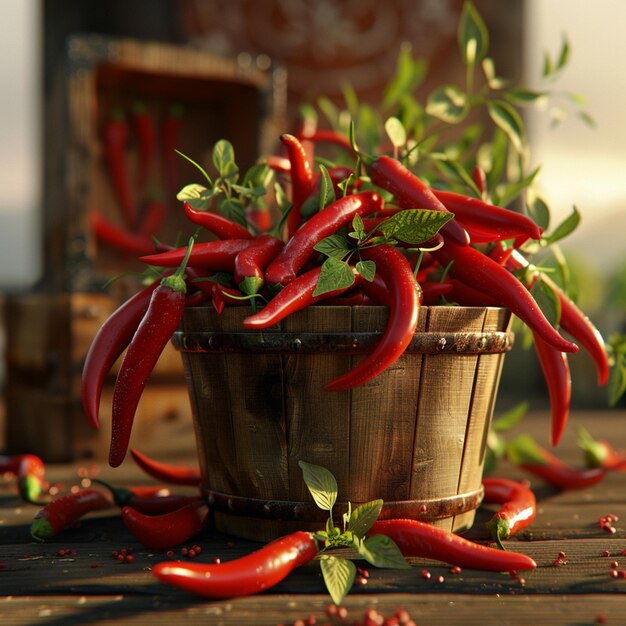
column 358, row 228
column 327, row 189
column 330, row 111
column 473, row 35
column 524, row 450
column 198, row 196
column 548, row 301
column 565, row 228
column 509, row 120
column 564, row 55
column 339, row 575
column 414, row 226
column 448, row 103
column 381, row 551
column 548, row 66
column 335, row 274
column 224, row 159
column 489, row 69
column 408, row 75
column 617, row 381
column 234, row 210
column 335, row 246
column 511, row 418
column 363, row 517
column 396, row 132
column 521, row 96
column 539, row 211
column 507, row 193
column 454, row 170
column 321, row 483
column 367, row 269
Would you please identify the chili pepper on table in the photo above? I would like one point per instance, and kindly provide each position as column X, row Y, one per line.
column 600, row 452
column 166, row 530
column 115, row 147
column 65, row 511
column 106, row 347
column 118, row 238
column 162, row 317
column 480, row 272
column 419, row 539
column 253, row 573
column 301, row 245
column 251, row 262
column 29, row 470
column 518, row 510
column 411, row 192
column 164, row 472
column 146, row 137
column 531, row 457
column 222, row 227
column 405, row 297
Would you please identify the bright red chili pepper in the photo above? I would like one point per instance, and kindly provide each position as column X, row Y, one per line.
column 170, row 142
column 480, row 179
column 220, row 226
column 253, row 573
column 216, row 256
column 65, row 510
column 115, row 145
column 118, row 238
column 432, row 292
column 167, row 530
column 418, row 539
column 300, row 247
column 153, row 218
column 297, row 295
column 412, row 193
column 600, row 452
column 219, row 294
column 556, row 373
column 404, row 301
column 155, row 330
column 518, row 510
column 172, row 474
column 251, row 262
column 480, row 272
column 324, row 135
column 467, row 296
column 110, row 341
column 301, row 180
column 146, row 136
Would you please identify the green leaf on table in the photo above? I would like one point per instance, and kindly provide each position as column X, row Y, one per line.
column 335, row 274
column 524, row 450
column 327, row 189
column 367, row 269
column 381, row 551
column 321, row 483
column 363, row 517
column 339, row 575
column 335, row 246
column 473, row 36
column 448, row 103
column 414, row 226
column 565, row 228
column 508, row 119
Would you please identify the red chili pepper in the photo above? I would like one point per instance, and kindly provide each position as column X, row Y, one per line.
column 115, row 145
column 468, row 296
column 418, row 539
column 556, row 373
column 480, row 179
column 220, row 226
column 170, row 138
column 600, row 452
column 153, row 218
column 480, row 272
column 167, row 530
column 146, row 135
column 404, row 302
column 278, row 163
column 121, row 239
column 432, row 292
column 301, row 180
column 216, row 256
column 518, row 510
column 297, row 295
column 250, row 263
column 172, row 474
column 30, row 477
column 412, row 193
column 253, row 573
column 65, row 510
column 163, row 316
column 487, row 221
column 299, row 248
column 531, row 457
column 324, row 135
column 107, row 346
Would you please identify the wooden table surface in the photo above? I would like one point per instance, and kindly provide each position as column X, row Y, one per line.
column 41, row 585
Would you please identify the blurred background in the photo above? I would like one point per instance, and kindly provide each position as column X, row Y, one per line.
column 284, row 52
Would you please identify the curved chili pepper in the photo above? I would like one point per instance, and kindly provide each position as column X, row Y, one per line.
column 479, row 177
column 278, row 163
column 167, row 530
column 110, row 341
column 217, row 256
column 418, row 539
column 536, row 460
column 489, row 222
column 431, row 292
column 412, row 193
column 297, row 295
column 172, row 474
column 115, row 237
column 518, row 510
column 253, row 573
column 115, row 144
column 600, row 452
column 146, row 136
column 301, row 180
column 250, row 263
column 30, row 477
column 153, row 218
column 325, row 135
column 220, row 226
column 301, row 245
column 65, row 510
column 404, row 301
column 480, row 272
column 556, row 373
column 163, row 316
column 170, row 140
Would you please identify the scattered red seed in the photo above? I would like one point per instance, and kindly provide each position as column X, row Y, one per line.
column 342, row 613
column 94, row 565
column 217, row 560
column 440, row 578
column 606, row 553
column 613, row 573
column 184, row 551
column 621, row 573
column 169, row 554
column 129, row 558
column 615, row 565
column 197, row 549
column 601, row 619
column 455, row 570
column 331, row 610
column 522, row 581
column 426, row 574
column 422, row 508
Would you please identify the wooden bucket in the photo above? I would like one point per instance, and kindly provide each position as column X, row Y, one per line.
column 414, row 436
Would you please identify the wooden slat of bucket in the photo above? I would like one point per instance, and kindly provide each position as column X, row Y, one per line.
column 444, row 401
column 319, row 428
column 488, row 369
column 383, row 421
